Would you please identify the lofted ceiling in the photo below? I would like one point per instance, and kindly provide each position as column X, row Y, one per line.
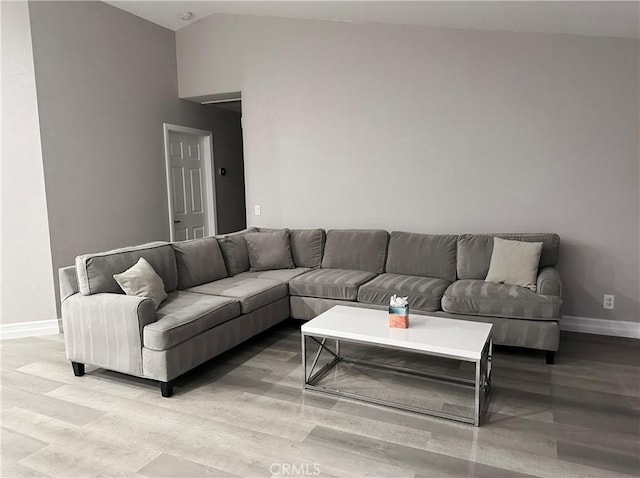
column 597, row 18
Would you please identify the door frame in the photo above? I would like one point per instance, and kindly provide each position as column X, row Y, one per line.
column 208, row 174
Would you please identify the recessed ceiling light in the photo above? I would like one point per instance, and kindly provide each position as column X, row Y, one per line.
column 186, row 16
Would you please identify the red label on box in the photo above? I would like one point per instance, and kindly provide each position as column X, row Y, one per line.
column 398, row 321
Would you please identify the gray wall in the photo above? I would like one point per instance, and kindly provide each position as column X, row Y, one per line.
column 227, row 152
column 438, row 130
column 26, row 256
column 106, row 82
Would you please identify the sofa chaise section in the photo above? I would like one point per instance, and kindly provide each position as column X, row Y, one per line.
column 109, row 329
column 522, row 317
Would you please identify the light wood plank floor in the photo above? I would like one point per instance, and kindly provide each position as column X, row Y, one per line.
column 244, row 414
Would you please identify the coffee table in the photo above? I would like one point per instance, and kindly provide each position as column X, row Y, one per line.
column 455, row 339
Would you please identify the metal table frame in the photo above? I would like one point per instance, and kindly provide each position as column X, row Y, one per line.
column 481, row 383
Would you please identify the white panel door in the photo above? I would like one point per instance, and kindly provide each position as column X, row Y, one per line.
column 188, row 189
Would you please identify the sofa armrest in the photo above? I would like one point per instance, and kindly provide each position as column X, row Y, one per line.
column 549, row 282
column 68, row 282
column 106, row 330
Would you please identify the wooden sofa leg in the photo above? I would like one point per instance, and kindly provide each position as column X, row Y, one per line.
column 166, row 388
column 551, row 356
column 78, row 369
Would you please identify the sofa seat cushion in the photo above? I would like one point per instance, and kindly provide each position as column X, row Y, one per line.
column 282, row 275
column 477, row 297
column 330, row 283
column 184, row 315
column 250, row 292
column 424, row 293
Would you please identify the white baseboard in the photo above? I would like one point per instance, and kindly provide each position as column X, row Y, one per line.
column 585, row 325
column 30, row 329
column 617, row 328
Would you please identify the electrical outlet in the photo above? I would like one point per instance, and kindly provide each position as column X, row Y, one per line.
column 608, row 301
column 256, row 210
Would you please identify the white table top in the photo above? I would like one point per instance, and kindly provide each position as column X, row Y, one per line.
column 449, row 337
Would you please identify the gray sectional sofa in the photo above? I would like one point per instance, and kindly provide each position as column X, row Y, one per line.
column 216, row 299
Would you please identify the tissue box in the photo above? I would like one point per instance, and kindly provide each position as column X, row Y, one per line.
column 399, row 317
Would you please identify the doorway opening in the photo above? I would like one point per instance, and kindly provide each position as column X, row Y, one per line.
column 229, row 179
column 190, row 185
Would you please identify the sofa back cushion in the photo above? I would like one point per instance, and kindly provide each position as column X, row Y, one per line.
column 269, row 250
column 356, row 249
column 234, row 251
column 198, row 261
column 423, row 255
column 95, row 271
column 474, row 251
column 307, row 246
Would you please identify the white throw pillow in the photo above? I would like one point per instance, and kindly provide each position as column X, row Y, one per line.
column 142, row 281
column 514, row 262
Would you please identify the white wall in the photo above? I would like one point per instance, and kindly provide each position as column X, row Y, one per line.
column 106, row 83
column 27, row 291
column 438, row 130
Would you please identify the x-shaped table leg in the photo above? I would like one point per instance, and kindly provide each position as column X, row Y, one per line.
column 307, row 378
